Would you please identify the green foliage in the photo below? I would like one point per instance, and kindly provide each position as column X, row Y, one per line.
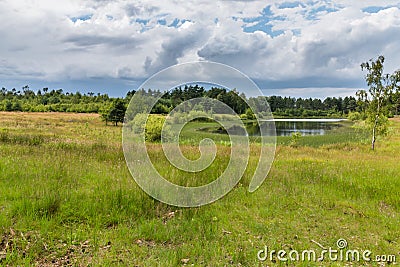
column 115, row 112
column 243, row 116
column 46, row 100
column 381, row 124
column 160, row 109
column 49, row 101
column 17, row 106
column 198, row 115
column 151, row 126
column 138, row 123
column 295, row 138
column 154, row 126
column 143, row 104
column 381, row 87
column 249, row 114
column 356, row 116
column 281, row 106
column 309, row 107
column 8, row 106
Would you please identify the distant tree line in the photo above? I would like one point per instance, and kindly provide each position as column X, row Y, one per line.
column 280, row 106
column 169, row 100
column 306, row 107
column 45, row 100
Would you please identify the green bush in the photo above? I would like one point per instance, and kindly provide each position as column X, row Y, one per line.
column 153, row 128
column 152, row 125
column 249, row 114
column 382, row 124
column 354, row 116
column 138, row 123
column 295, row 138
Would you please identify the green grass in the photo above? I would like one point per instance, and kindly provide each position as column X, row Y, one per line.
column 193, row 132
column 66, row 197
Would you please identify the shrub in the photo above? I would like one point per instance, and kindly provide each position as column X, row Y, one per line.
column 152, row 124
column 354, row 116
column 295, row 139
column 138, row 123
column 154, row 128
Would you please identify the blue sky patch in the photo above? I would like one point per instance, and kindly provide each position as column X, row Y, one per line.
column 314, row 12
column 162, row 22
column 174, row 23
column 296, row 32
column 374, row 9
column 291, row 5
column 264, row 28
column 82, row 18
column 178, row 22
column 142, row 21
column 263, row 23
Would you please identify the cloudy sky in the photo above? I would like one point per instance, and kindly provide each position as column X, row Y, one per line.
column 296, row 48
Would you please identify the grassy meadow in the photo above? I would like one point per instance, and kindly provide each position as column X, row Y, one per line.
column 68, row 199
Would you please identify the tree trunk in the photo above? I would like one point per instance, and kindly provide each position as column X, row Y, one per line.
column 374, row 134
column 375, row 125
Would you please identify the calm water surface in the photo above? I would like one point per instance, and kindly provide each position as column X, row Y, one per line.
column 285, row 127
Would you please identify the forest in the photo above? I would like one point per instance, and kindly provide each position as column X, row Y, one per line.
column 45, row 100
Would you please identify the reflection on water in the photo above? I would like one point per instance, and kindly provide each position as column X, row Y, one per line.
column 282, row 127
column 286, row 128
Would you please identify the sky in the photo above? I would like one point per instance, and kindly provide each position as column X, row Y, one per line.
column 288, row 48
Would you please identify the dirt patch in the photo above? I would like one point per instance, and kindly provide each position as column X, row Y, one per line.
column 74, row 254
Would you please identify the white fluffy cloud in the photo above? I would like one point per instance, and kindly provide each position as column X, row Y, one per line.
column 281, row 44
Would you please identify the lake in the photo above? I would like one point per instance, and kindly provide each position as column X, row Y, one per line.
column 285, row 127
